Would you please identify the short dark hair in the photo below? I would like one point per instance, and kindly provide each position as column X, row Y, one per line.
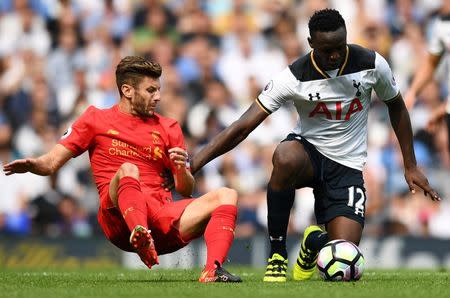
column 325, row 20
column 132, row 69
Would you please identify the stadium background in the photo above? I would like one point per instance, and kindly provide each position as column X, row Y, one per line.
column 59, row 57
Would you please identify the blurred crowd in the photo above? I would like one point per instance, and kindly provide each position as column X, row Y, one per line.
column 57, row 57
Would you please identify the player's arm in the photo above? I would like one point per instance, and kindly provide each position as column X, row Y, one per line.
column 184, row 181
column 43, row 165
column 423, row 75
column 230, row 137
column 75, row 141
column 388, row 91
column 401, row 125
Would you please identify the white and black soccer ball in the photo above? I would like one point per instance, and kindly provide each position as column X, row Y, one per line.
column 340, row 260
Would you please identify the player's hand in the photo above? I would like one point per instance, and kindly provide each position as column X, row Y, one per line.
column 19, row 166
column 414, row 177
column 168, row 183
column 179, row 157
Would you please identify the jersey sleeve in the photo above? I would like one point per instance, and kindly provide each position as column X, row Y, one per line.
column 176, row 138
column 80, row 135
column 385, row 86
column 277, row 91
column 436, row 45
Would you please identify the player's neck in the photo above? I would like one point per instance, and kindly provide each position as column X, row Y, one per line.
column 323, row 68
column 124, row 107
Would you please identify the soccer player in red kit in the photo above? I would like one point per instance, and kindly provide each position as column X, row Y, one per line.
column 129, row 146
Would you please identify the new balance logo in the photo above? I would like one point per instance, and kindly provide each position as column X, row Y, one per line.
column 311, row 97
column 112, row 132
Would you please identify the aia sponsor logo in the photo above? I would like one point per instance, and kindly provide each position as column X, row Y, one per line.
column 324, row 110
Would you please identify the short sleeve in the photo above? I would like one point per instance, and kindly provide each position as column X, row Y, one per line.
column 176, row 138
column 80, row 135
column 277, row 91
column 385, row 86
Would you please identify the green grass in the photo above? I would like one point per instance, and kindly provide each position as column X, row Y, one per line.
column 182, row 283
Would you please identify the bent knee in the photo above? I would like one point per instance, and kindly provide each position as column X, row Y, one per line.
column 227, row 196
column 129, row 169
column 285, row 160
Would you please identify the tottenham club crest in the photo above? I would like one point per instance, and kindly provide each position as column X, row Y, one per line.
column 357, row 86
column 268, row 87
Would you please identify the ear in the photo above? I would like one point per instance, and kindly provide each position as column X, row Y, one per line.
column 127, row 90
column 311, row 44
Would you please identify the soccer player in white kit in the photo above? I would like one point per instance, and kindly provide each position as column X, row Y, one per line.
column 438, row 46
column 331, row 90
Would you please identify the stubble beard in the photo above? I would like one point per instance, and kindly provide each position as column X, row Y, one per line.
column 141, row 109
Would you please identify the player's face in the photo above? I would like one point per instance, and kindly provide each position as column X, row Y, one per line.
column 146, row 97
column 329, row 48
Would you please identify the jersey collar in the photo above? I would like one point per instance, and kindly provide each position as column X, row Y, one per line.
column 323, row 73
column 130, row 117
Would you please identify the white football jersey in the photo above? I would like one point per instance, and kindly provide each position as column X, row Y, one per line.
column 439, row 42
column 333, row 111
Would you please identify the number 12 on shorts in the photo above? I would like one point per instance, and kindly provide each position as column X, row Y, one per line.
column 359, row 204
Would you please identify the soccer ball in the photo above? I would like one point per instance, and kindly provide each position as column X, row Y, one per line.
column 340, row 260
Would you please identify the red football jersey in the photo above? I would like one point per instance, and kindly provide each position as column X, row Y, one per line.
column 113, row 138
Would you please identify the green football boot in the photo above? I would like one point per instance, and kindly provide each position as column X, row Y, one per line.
column 307, row 259
column 276, row 269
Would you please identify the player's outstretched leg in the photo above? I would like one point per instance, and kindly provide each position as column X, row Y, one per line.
column 219, row 235
column 307, row 257
column 218, row 274
column 212, row 215
column 141, row 240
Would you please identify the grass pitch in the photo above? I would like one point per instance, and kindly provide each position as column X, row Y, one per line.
column 182, row 283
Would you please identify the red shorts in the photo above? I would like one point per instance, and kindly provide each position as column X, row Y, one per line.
column 162, row 220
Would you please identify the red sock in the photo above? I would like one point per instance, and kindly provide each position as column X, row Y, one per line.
column 131, row 202
column 219, row 234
